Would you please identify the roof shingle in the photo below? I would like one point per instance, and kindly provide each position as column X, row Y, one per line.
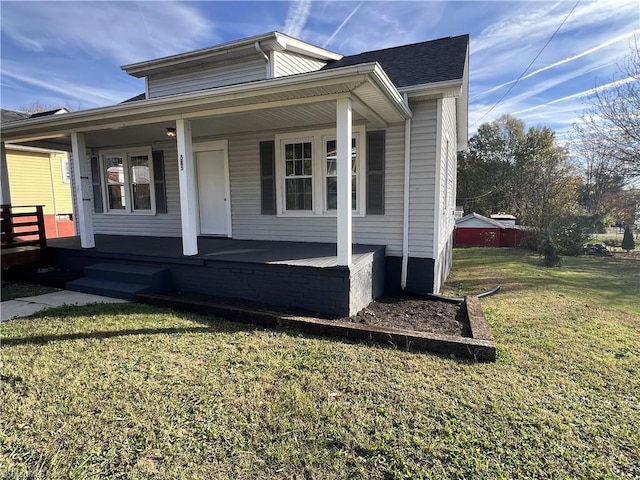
column 416, row 64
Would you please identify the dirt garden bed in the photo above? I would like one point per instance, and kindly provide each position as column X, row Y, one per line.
column 408, row 322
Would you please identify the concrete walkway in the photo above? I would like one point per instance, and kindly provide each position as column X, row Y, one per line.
column 23, row 307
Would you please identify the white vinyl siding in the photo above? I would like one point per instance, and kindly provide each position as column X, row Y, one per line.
column 447, row 189
column 248, row 223
column 289, row 63
column 159, row 225
column 448, row 169
column 215, row 75
column 422, row 182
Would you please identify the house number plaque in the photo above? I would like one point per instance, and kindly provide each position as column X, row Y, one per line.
column 181, row 162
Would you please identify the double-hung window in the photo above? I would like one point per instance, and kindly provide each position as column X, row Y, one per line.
column 128, row 179
column 331, row 174
column 306, row 172
column 298, row 175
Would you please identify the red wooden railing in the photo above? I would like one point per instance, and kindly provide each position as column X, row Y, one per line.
column 23, row 234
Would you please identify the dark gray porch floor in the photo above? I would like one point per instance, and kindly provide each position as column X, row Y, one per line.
column 221, row 249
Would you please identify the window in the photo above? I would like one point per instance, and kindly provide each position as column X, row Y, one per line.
column 331, row 172
column 66, row 171
column 306, row 172
column 299, row 175
column 128, row 182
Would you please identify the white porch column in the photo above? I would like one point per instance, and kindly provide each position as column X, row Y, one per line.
column 343, row 147
column 5, row 191
column 188, row 188
column 82, row 190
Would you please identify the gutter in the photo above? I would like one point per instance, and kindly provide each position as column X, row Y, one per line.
column 105, row 116
column 405, row 210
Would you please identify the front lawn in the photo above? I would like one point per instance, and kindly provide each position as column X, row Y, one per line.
column 130, row 391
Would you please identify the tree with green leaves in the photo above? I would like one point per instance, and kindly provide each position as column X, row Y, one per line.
column 628, row 243
column 521, row 172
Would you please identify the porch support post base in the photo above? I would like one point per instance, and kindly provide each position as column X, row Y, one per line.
column 188, row 188
column 82, row 190
column 344, row 212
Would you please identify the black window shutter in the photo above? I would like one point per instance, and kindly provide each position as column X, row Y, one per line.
column 159, row 182
column 95, row 183
column 268, row 177
column 375, row 172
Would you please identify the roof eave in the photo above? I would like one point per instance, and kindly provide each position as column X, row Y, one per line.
column 272, row 40
column 446, row 88
column 145, row 110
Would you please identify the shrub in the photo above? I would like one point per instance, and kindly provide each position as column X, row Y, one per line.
column 531, row 242
column 551, row 255
column 628, row 243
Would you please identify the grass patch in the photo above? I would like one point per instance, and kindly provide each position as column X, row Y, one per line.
column 13, row 290
column 130, row 391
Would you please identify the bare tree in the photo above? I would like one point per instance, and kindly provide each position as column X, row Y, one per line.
column 609, row 130
column 37, row 107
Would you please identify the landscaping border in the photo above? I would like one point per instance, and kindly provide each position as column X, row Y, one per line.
column 480, row 346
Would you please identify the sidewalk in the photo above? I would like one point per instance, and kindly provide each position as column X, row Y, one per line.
column 23, row 307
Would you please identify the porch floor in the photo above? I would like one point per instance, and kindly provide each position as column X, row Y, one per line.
column 305, row 254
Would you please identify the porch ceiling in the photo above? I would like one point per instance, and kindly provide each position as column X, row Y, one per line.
column 272, row 119
column 283, row 103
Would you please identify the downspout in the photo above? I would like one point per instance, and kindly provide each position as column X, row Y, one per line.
column 405, row 210
column 265, row 56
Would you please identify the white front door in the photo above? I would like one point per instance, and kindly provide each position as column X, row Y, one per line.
column 213, row 190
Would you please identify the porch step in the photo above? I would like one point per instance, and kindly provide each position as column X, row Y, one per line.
column 119, row 280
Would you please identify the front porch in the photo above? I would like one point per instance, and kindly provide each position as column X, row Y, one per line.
column 298, row 274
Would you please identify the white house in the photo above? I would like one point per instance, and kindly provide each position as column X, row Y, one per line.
column 278, row 141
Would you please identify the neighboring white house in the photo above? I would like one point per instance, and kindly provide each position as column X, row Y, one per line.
column 273, row 138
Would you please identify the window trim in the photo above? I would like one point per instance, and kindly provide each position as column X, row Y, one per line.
column 318, row 147
column 360, row 167
column 126, row 155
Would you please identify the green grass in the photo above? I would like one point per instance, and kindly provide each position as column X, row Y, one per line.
column 129, row 391
column 13, row 290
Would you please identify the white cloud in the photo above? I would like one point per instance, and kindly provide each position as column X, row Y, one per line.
column 65, row 90
column 344, row 22
column 297, row 16
column 125, row 31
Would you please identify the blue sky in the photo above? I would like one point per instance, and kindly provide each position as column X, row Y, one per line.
column 59, row 53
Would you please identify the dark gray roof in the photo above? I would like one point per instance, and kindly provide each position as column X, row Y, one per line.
column 138, row 97
column 7, row 116
column 49, row 112
column 416, row 64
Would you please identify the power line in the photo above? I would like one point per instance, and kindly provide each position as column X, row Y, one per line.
column 528, row 66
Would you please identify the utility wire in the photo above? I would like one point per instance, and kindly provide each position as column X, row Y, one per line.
column 529, row 66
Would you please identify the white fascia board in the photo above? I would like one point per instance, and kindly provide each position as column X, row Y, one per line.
column 462, row 109
column 386, row 85
column 448, row 88
column 298, row 46
column 26, row 148
column 140, row 69
column 271, row 40
column 150, row 109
